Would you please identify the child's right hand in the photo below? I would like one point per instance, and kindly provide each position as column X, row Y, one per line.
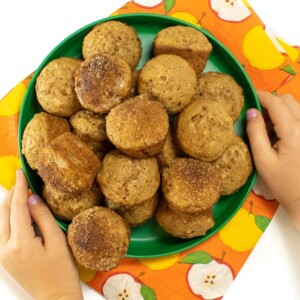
column 278, row 164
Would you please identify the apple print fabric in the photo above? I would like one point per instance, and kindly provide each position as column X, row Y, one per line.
column 205, row 271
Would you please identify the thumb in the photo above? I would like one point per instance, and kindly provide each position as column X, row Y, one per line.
column 44, row 219
column 262, row 151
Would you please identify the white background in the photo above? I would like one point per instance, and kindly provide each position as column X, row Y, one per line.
column 30, row 29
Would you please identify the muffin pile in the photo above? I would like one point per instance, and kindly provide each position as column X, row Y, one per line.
column 116, row 145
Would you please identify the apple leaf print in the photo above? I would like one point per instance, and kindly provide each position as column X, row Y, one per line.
column 289, row 69
column 199, row 257
column 262, row 222
column 169, row 5
column 148, row 293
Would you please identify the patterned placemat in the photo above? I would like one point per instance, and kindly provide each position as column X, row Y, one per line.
column 204, row 271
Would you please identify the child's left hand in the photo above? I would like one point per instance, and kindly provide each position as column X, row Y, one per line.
column 42, row 265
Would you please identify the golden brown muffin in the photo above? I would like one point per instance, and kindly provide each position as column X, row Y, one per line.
column 190, row 185
column 102, row 82
column 204, row 129
column 184, row 225
column 138, row 126
column 55, row 87
column 170, row 80
column 66, row 206
column 116, row 39
column 137, row 214
column 128, row 181
column 91, row 129
column 168, row 153
column 68, row 164
column 186, row 42
column 234, row 166
column 99, row 238
column 39, row 131
column 223, row 88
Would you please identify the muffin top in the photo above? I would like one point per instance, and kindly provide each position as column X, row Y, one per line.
column 55, row 87
column 116, row 39
column 204, row 129
column 170, row 80
column 99, row 238
column 190, row 185
column 128, row 181
column 102, row 82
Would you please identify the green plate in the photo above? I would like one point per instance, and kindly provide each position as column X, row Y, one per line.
column 149, row 240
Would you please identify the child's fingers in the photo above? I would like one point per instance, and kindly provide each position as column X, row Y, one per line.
column 44, row 219
column 20, row 219
column 5, row 217
column 260, row 144
column 292, row 104
column 279, row 112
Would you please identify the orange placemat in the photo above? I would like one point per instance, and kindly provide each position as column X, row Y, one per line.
column 204, row 271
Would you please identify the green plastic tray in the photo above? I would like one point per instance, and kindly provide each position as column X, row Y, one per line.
column 149, row 240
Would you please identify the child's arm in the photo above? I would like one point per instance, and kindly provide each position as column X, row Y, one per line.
column 278, row 164
column 42, row 265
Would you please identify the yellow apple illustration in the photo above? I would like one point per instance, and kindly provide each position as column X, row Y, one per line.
column 185, row 16
column 261, row 49
column 9, row 164
column 84, row 273
column 243, row 231
column 11, row 103
column 160, row 263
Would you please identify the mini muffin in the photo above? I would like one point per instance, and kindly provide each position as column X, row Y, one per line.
column 186, row 42
column 138, row 126
column 99, row 238
column 68, row 164
column 102, row 82
column 204, row 129
column 223, row 88
column 170, row 80
column 66, row 206
column 128, row 181
column 138, row 214
column 91, row 129
column 168, row 153
column 234, row 166
column 55, row 87
column 184, row 225
column 39, row 131
column 190, row 185
column 113, row 38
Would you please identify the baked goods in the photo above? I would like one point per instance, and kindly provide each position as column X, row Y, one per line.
column 170, row 80
column 128, row 181
column 234, row 166
column 184, row 225
column 66, row 206
column 68, row 164
column 138, row 126
column 223, row 88
column 91, row 129
column 55, row 87
column 186, row 42
column 39, row 131
column 137, row 214
column 204, row 129
column 116, row 39
column 190, row 185
column 102, row 82
column 168, row 153
column 99, row 238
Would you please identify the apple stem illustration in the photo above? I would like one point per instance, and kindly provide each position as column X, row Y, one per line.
column 201, row 18
column 251, row 206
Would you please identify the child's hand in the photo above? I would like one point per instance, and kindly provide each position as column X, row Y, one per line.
column 278, row 164
column 42, row 265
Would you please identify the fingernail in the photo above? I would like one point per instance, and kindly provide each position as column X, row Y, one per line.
column 18, row 172
column 251, row 113
column 33, row 199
